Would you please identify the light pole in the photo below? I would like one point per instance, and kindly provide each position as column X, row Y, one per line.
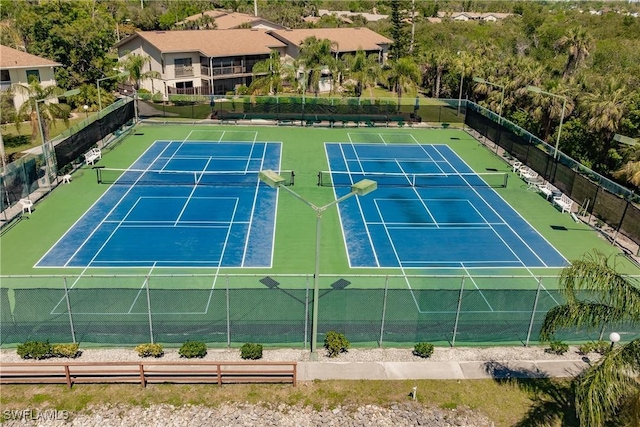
column 47, row 156
column 479, row 80
column 564, row 104
column 360, row 188
column 461, row 55
column 86, row 111
column 123, row 74
column 614, row 337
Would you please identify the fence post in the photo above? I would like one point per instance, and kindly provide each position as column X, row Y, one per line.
column 146, row 281
column 384, row 309
column 455, row 326
column 66, row 296
column 228, row 317
column 306, row 312
column 624, row 213
column 533, row 312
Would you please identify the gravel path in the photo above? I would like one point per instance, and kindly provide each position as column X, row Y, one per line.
column 240, row 415
column 441, row 354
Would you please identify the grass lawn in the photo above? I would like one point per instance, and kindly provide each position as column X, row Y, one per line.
column 504, row 402
column 9, row 129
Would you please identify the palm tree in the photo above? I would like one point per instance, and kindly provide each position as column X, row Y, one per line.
column 268, row 74
column 365, row 70
column 630, row 173
column 578, row 44
column 134, row 64
column 316, row 55
column 611, row 386
column 605, row 106
column 48, row 111
column 403, row 75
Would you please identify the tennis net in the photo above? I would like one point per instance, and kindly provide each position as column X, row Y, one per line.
column 346, row 179
column 151, row 177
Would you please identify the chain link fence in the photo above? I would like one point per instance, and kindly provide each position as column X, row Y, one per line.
column 220, row 310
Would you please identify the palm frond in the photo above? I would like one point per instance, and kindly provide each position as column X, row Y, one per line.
column 578, row 314
column 596, row 272
column 601, row 388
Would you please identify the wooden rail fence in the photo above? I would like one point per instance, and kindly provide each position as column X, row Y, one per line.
column 148, row 372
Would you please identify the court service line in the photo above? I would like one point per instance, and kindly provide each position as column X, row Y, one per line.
column 107, row 215
column 90, row 262
column 224, row 248
column 476, row 285
column 431, row 159
column 193, row 190
column 424, row 205
column 133, row 303
column 523, row 220
column 84, row 215
column 491, row 208
column 253, row 206
column 366, row 226
column 395, row 252
column 346, row 160
column 175, row 152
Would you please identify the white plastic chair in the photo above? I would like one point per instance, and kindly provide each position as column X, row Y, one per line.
column 26, row 205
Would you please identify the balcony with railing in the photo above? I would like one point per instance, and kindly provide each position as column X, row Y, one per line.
column 229, row 70
column 184, row 71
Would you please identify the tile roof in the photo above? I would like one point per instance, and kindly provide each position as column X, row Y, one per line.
column 229, row 20
column 12, row 58
column 213, row 43
column 348, row 39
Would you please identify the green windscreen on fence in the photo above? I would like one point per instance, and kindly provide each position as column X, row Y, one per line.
column 281, row 315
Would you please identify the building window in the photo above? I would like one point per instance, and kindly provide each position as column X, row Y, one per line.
column 184, row 67
column 33, row 74
column 4, row 76
column 184, row 85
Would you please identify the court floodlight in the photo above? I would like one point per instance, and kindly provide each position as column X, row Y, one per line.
column 364, row 187
column 271, row 178
column 360, row 188
column 625, row 140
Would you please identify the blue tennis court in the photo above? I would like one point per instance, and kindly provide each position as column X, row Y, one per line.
column 430, row 210
column 186, row 204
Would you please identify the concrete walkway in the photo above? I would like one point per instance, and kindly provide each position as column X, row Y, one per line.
column 308, row 371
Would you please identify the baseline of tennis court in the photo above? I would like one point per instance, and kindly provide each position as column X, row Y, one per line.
column 430, row 211
column 182, row 203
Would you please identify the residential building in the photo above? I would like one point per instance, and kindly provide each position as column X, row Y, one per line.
column 17, row 67
column 200, row 62
column 230, row 20
column 215, row 62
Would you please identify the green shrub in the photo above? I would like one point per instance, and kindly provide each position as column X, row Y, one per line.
column 192, row 349
column 65, row 350
column 423, row 349
column 34, row 350
column 600, row 347
column 251, row 351
column 149, row 350
column 335, row 343
column 557, row 347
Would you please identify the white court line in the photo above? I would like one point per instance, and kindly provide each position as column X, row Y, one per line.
column 499, row 216
column 424, row 205
column 133, row 303
column 508, row 226
column 224, row 248
column 193, row 190
column 253, row 206
column 476, row 285
column 344, row 236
